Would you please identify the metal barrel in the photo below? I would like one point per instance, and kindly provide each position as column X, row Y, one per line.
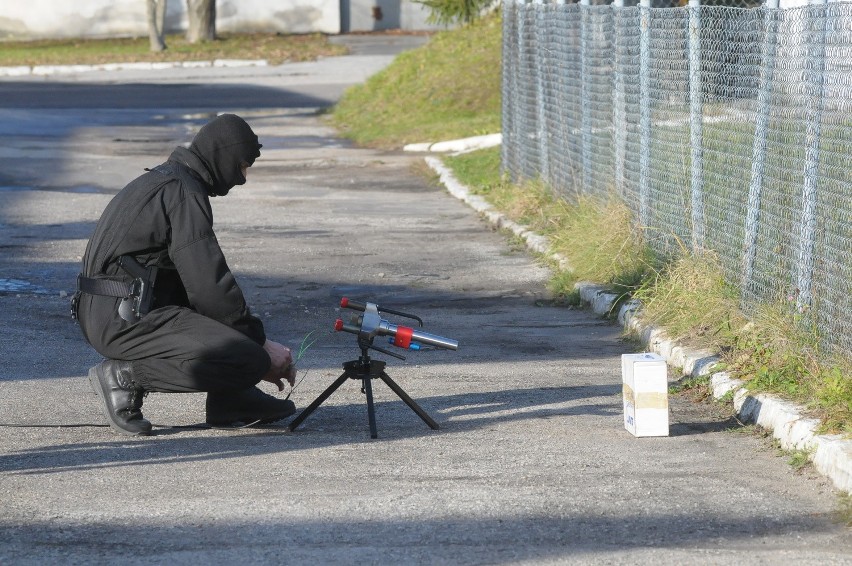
column 434, row 340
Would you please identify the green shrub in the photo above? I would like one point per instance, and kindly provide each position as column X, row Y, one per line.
column 448, row 12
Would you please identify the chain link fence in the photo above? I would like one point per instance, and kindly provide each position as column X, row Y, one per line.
column 724, row 129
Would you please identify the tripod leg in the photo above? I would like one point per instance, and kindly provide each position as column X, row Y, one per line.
column 371, row 411
column 317, row 402
column 409, row 401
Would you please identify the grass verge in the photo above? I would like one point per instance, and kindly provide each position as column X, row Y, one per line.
column 451, row 88
column 275, row 48
column 779, row 352
column 598, row 238
column 448, row 89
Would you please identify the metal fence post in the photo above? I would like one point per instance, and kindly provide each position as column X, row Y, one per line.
column 507, row 97
column 645, row 112
column 696, row 121
column 816, row 94
column 540, row 60
column 521, row 109
column 584, row 97
column 618, row 104
column 758, row 159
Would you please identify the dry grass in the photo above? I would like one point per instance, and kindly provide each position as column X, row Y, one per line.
column 598, row 239
column 275, row 48
column 690, row 297
column 604, row 245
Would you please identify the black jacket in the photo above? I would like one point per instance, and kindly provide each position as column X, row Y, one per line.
column 164, row 218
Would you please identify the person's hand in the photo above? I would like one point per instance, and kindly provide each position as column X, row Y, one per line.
column 282, row 366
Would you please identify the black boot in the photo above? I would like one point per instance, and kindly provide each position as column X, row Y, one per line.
column 246, row 406
column 121, row 398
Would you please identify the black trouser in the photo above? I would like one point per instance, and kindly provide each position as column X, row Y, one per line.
column 174, row 349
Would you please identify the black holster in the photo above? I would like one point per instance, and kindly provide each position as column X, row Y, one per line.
column 137, row 296
column 138, row 303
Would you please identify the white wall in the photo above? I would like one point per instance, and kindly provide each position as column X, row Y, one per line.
column 291, row 16
column 27, row 19
column 374, row 15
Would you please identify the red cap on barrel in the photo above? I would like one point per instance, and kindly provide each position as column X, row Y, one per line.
column 344, row 302
column 338, row 325
column 403, row 336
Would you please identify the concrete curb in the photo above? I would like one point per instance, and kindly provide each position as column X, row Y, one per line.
column 45, row 70
column 463, row 145
column 831, row 455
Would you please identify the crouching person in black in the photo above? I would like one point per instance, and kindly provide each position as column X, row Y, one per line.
column 156, row 297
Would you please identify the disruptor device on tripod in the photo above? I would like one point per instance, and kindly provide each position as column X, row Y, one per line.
column 368, row 326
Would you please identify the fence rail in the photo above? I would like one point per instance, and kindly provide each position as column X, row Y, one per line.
column 723, row 129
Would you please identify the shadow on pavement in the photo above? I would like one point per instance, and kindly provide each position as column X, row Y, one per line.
column 329, row 425
column 510, row 538
column 195, row 96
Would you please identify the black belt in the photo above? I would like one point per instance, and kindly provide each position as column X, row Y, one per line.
column 105, row 287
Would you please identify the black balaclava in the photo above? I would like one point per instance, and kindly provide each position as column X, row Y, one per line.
column 223, row 144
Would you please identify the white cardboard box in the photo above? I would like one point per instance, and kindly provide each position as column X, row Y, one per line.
column 646, row 394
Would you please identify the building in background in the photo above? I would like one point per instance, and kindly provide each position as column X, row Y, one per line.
column 38, row 19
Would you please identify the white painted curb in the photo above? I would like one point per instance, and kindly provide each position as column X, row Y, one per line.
column 463, row 145
column 45, row 70
column 831, row 454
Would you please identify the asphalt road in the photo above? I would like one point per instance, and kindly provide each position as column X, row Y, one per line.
column 531, row 464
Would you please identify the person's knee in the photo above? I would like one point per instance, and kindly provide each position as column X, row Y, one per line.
column 249, row 362
column 233, row 364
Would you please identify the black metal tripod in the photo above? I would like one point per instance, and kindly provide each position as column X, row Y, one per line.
column 366, row 370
